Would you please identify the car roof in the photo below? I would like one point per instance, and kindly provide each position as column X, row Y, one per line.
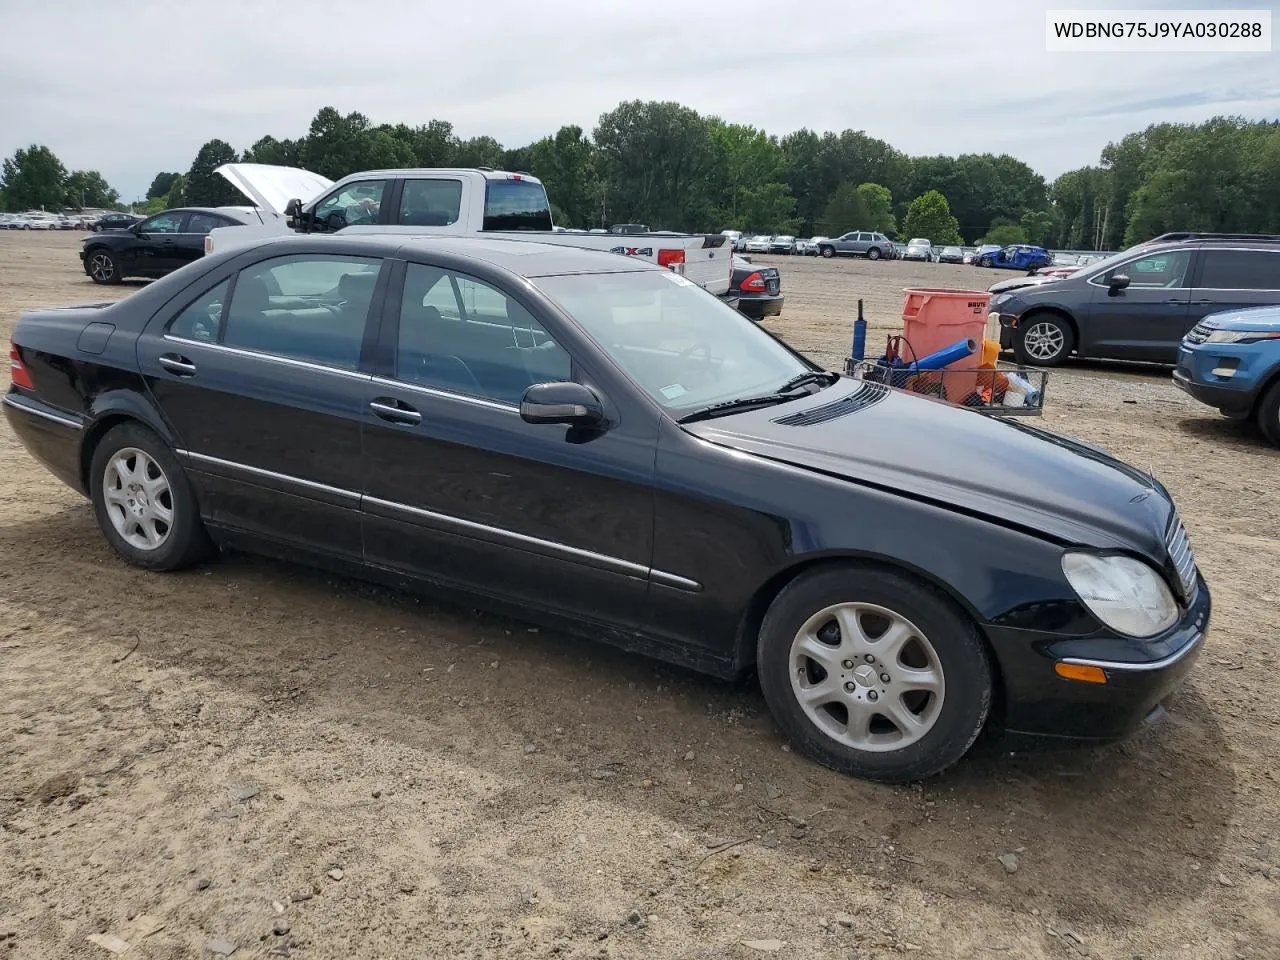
column 524, row 258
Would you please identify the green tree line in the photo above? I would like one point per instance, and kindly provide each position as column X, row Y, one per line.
column 668, row 166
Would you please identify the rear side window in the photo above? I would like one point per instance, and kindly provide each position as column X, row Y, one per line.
column 202, row 318
column 307, row 307
column 516, row 205
column 204, row 222
column 1240, row 270
column 430, row 203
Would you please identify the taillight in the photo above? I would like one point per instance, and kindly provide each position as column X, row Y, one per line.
column 754, row 283
column 672, row 260
column 18, row 371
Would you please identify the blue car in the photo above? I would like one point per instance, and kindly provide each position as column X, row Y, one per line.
column 1017, row 256
column 1231, row 361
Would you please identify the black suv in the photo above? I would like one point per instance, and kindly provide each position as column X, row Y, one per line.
column 1137, row 305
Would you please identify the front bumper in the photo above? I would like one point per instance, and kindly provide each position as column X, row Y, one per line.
column 761, row 306
column 1141, row 675
column 1224, row 375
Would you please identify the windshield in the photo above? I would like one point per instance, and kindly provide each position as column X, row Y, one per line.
column 679, row 343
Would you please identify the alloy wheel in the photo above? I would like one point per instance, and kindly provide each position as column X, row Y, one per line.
column 867, row 677
column 101, row 268
column 1043, row 341
column 138, row 499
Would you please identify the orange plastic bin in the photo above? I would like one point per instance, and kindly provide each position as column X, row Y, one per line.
column 933, row 319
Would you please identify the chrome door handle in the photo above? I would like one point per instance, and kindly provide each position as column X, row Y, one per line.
column 178, row 365
column 395, row 412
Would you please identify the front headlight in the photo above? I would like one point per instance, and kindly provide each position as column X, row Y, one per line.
column 1242, row 336
column 1125, row 594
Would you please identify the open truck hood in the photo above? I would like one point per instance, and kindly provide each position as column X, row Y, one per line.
column 272, row 187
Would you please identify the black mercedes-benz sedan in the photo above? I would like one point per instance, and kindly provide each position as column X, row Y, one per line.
column 595, row 443
column 157, row 245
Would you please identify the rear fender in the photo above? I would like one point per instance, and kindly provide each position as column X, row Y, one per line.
column 112, row 408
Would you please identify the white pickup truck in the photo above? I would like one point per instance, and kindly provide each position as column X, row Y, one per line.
column 451, row 203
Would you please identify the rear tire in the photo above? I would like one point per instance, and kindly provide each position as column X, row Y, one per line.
column 1268, row 414
column 846, row 715
column 1043, row 340
column 143, row 501
column 873, row 253
column 828, row 252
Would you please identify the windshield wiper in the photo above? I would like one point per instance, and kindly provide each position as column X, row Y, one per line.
column 824, row 377
column 736, row 405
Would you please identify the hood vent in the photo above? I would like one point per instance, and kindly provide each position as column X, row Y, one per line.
column 865, row 396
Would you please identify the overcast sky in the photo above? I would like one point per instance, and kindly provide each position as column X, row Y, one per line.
column 132, row 87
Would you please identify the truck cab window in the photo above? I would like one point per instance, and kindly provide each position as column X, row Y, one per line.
column 350, row 205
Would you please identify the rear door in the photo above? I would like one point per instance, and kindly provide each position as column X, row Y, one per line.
column 260, row 376
column 1146, row 320
column 1234, row 278
column 461, row 491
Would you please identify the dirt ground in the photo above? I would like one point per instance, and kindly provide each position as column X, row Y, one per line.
column 203, row 751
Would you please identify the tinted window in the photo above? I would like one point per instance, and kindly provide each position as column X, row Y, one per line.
column 352, row 204
column 202, row 318
column 1240, row 270
column 516, row 205
column 204, row 222
column 308, row 307
column 163, row 223
column 1167, row 269
column 464, row 336
column 430, row 203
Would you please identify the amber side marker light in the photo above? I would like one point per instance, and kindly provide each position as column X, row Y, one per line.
column 1081, row 671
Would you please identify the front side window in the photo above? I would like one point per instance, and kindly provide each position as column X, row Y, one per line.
column 1166, row 269
column 163, row 223
column 350, row 205
column 465, row 336
column 679, row 343
column 306, row 307
column 1240, row 270
column 430, row 203
column 202, row 318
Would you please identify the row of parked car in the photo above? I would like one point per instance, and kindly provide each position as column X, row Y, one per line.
column 44, row 220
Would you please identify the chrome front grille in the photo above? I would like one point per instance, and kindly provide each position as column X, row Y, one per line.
column 1184, row 561
column 1197, row 334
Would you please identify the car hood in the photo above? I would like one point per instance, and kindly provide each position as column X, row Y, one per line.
column 1008, row 472
column 1261, row 319
column 1019, row 283
column 271, row 187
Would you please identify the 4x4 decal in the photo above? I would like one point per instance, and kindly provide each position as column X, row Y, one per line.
column 633, row 251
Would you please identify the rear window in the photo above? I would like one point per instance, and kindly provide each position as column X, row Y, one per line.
column 516, row 205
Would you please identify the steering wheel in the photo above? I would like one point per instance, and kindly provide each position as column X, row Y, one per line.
column 709, row 364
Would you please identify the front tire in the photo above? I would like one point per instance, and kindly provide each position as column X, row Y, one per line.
column 828, row 252
column 873, row 674
column 143, row 501
column 1268, row 414
column 984, row 261
column 1043, row 340
column 103, row 267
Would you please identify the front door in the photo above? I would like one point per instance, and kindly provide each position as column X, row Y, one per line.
column 461, row 491
column 156, row 251
column 1146, row 319
column 260, row 379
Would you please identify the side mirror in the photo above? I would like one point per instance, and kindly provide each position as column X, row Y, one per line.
column 293, row 207
column 1117, row 283
column 561, row 402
